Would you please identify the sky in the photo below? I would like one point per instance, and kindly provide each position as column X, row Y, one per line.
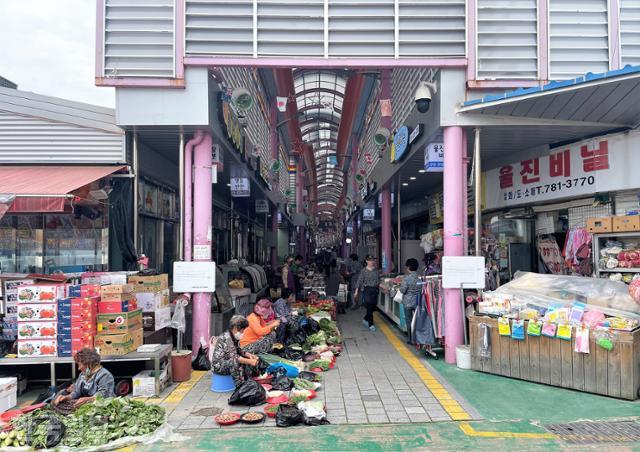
column 48, row 47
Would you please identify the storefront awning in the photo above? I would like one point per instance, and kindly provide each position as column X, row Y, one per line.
column 45, row 188
column 604, row 98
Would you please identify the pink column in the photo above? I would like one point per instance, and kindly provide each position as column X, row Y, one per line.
column 453, row 235
column 202, row 193
column 273, row 141
column 300, row 206
column 188, row 190
column 274, row 231
column 465, row 200
column 387, row 250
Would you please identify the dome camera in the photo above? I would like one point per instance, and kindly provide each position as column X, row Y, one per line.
column 423, row 96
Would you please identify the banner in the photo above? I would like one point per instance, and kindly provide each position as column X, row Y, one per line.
column 281, row 102
column 597, row 165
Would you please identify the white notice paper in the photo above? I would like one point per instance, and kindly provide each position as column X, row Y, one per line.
column 201, row 252
column 463, row 272
column 194, row 277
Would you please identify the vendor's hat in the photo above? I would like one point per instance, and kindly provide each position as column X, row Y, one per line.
column 370, row 258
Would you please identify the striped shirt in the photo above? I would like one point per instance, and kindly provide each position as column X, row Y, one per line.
column 368, row 278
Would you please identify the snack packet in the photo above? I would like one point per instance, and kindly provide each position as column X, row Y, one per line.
column 534, row 327
column 564, row 331
column 504, row 328
column 517, row 329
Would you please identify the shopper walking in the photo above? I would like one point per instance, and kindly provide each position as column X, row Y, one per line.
column 410, row 292
column 353, row 269
column 288, row 280
column 369, row 286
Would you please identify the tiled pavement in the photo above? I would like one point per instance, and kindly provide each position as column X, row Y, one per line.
column 371, row 383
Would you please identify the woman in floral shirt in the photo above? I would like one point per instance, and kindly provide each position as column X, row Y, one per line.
column 228, row 358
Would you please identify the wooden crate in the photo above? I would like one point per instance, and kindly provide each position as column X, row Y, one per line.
column 554, row 362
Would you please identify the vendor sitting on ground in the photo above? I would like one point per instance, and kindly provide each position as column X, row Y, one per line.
column 228, row 358
column 282, row 306
column 260, row 336
column 94, row 380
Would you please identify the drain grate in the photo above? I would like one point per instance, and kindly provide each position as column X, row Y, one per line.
column 210, row 411
column 589, row 432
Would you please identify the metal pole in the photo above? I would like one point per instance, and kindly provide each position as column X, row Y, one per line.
column 477, row 192
column 136, row 181
column 399, row 253
column 182, row 198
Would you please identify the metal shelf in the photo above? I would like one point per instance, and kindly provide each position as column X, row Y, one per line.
column 604, row 235
column 619, row 270
column 597, row 237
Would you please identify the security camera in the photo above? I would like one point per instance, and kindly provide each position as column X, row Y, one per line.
column 423, row 96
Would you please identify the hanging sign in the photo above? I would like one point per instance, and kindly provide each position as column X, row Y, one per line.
column 416, row 133
column 597, row 165
column 262, row 206
column 232, row 126
column 240, row 187
column 281, row 103
column 217, row 158
column 368, row 214
column 400, row 144
column 393, row 199
column 434, row 158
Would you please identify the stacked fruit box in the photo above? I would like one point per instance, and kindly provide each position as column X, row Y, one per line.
column 77, row 319
column 37, row 319
column 119, row 321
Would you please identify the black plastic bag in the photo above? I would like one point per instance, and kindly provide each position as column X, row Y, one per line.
column 249, row 393
column 281, row 333
column 55, row 431
column 310, row 376
column 311, row 326
column 201, row 362
column 288, row 416
column 260, row 368
column 297, row 338
column 314, row 421
column 293, row 354
column 280, row 381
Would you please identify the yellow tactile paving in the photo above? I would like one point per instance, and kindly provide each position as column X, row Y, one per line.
column 450, row 405
column 183, row 389
column 470, row 431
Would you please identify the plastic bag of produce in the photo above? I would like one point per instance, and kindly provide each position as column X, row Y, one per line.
column 249, row 393
column 288, row 416
column 45, row 431
column 201, row 362
column 314, row 413
column 281, row 381
column 293, row 354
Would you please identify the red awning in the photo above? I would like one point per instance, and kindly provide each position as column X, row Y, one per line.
column 44, row 188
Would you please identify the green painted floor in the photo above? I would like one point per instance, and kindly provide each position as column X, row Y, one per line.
column 513, row 413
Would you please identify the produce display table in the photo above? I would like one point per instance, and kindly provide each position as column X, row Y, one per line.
column 156, row 357
column 554, row 362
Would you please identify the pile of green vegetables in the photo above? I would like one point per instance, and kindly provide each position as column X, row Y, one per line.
column 301, row 383
column 329, row 327
column 101, row 422
column 319, row 338
column 320, row 363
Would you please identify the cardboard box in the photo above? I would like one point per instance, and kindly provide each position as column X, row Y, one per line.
column 154, row 321
column 629, row 223
column 70, row 344
column 29, row 348
column 118, row 297
column 113, row 307
column 8, row 393
column 37, row 330
column 596, row 225
column 138, row 337
column 83, row 315
column 116, row 289
column 152, row 301
column 114, row 344
column 144, row 383
column 150, row 283
column 40, row 293
column 104, row 278
column 37, row 311
column 119, row 323
column 82, row 328
column 83, row 290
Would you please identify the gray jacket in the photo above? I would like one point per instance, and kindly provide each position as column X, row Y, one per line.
column 101, row 383
column 410, row 290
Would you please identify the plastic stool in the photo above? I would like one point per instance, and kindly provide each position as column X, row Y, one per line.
column 222, row 383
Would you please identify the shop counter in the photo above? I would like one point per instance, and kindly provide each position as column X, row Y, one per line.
column 554, row 362
column 156, row 357
column 392, row 309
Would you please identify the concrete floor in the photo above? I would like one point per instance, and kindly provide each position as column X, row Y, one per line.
column 383, row 395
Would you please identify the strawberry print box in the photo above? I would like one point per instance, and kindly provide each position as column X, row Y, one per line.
column 37, row 330
column 40, row 293
column 37, row 311
column 28, row 348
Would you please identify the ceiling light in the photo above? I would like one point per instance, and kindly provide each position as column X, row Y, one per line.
column 405, row 184
column 412, row 178
column 228, row 185
column 422, row 171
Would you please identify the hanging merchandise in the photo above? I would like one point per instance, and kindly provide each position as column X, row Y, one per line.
column 504, row 328
column 577, row 252
column 604, row 338
column 564, row 331
column 549, row 329
column 485, row 340
column 576, row 313
column 534, row 327
column 582, row 340
column 517, row 329
column 432, row 296
column 550, row 254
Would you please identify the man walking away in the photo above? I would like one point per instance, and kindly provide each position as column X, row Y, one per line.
column 369, row 286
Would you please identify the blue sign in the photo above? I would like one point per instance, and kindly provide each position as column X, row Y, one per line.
column 400, row 144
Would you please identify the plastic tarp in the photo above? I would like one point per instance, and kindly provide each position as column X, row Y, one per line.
column 610, row 297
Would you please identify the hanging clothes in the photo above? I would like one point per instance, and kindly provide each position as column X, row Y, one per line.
column 422, row 326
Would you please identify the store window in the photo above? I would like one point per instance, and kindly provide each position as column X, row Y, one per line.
column 44, row 243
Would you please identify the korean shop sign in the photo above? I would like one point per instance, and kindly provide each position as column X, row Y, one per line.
column 240, row 187
column 232, row 126
column 601, row 164
column 400, row 144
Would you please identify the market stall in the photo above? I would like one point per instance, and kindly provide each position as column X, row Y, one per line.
column 567, row 331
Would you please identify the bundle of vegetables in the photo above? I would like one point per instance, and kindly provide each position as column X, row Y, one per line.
column 106, row 420
column 329, row 327
column 301, row 383
column 320, row 363
column 318, row 338
column 334, row 340
column 15, row 438
column 273, row 359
